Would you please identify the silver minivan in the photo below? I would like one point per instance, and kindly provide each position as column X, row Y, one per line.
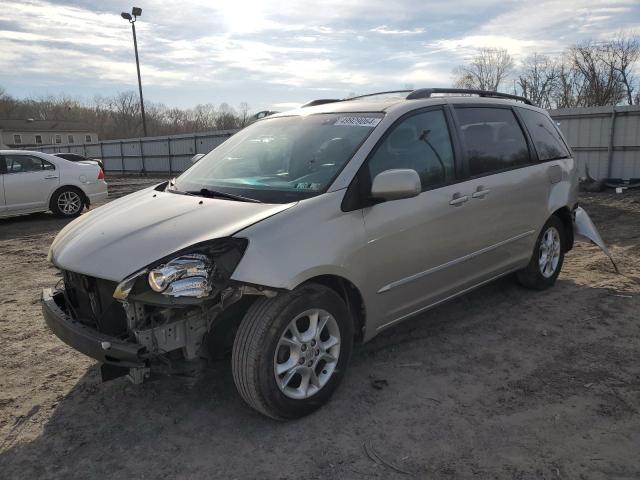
column 314, row 229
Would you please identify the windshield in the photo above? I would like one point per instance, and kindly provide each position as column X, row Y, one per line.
column 282, row 159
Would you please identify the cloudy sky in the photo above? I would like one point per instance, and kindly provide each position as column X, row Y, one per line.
column 276, row 53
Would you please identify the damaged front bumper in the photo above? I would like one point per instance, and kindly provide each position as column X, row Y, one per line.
column 166, row 339
column 104, row 348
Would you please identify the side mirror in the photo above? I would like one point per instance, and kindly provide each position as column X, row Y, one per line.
column 396, row 184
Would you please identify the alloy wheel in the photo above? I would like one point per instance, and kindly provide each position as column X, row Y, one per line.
column 307, row 354
column 549, row 252
column 69, row 202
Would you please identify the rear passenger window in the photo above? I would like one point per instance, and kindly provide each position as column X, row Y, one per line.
column 23, row 164
column 493, row 140
column 422, row 143
column 545, row 135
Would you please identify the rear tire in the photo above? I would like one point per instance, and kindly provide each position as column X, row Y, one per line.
column 548, row 257
column 67, row 202
column 284, row 366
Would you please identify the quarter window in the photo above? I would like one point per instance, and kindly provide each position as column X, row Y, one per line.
column 422, row 143
column 493, row 140
column 546, row 137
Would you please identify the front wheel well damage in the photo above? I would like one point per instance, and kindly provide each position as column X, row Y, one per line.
column 222, row 333
column 565, row 216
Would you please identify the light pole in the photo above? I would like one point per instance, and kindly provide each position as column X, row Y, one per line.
column 132, row 17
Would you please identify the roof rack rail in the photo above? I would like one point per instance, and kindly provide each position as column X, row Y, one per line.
column 320, row 101
column 377, row 93
column 428, row 92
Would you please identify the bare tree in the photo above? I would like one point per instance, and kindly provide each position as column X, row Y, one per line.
column 568, row 86
column 622, row 54
column 599, row 82
column 8, row 105
column 119, row 116
column 226, row 118
column 243, row 114
column 538, row 79
column 204, row 117
column 487, row 70
column 125, row 114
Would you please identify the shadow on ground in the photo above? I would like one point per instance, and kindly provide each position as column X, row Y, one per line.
column 501, row 383
column 32, row 224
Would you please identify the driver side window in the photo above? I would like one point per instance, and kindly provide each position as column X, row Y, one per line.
column 422, row 143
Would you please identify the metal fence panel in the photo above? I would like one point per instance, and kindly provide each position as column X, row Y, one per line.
column 167, row 154
column 606, row 139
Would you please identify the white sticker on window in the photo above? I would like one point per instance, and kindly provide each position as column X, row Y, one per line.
column 358, row 121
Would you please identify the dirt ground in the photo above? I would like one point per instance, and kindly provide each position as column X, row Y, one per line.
column 504, row 383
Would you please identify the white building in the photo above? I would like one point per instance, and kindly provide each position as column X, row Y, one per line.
column 35, row 133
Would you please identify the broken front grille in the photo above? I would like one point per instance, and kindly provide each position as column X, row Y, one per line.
column 91, row 302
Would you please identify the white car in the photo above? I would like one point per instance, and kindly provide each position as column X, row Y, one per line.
column 36, row 182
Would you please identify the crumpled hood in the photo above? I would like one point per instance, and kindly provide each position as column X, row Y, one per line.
column 128, row 234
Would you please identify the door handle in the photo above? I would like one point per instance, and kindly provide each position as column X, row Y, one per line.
column 458, row 199
column 49, row 177
column 480, row 193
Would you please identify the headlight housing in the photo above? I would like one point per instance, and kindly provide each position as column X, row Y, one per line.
column 195, row 272
column 185, row 276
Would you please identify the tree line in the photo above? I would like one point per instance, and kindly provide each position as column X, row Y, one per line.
column 587, row 74
column 118, row 116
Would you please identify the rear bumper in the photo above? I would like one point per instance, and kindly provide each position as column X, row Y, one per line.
column 98, row 197
column 584, row 228
column 104, row 348
column 97, row 191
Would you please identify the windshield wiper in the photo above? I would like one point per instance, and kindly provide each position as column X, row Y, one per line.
column 205, row 192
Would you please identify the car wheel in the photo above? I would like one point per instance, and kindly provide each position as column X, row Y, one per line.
column 67, row 202
column 291, row 351
column 548, row 256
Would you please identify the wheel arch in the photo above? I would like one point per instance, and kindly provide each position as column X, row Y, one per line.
column 351, row 296
column 565, row 216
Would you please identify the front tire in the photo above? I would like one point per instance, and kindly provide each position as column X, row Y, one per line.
column 67, row 203
column 548, row 257
column 291, row 351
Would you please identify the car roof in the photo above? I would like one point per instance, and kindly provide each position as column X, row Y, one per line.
column 29, row 152
column 16, row 151
column 397, row 102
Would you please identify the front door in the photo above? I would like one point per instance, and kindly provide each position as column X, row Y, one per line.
column 415, row 245
column 28, row 182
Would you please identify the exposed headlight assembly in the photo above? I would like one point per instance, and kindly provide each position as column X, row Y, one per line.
column 196, row 273
column 186, row 276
